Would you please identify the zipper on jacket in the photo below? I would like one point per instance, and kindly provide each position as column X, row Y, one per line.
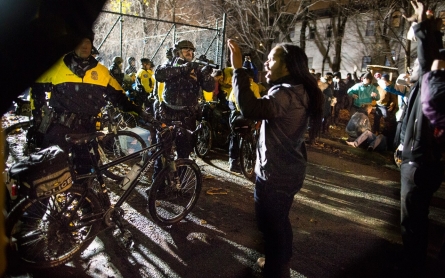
column 414, row 135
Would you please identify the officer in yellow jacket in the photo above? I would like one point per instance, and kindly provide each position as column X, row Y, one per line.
column 145, row 80
column 80, row 87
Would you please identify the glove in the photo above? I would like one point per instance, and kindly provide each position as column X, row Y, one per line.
column 147, row 117
column 206, row 70
column 179, row 61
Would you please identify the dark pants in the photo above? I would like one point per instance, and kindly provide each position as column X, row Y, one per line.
column 418, row 186
column 377, row 143
column 234, row 138
column 381, row 111
column 184, row 144
column 272, row 207
column 342, row 103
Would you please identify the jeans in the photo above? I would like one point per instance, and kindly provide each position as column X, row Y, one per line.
column 419, row 182
column 272, row 207
column 380, row 112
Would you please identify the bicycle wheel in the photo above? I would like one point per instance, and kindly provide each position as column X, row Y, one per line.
column 247, row 156
column 204, row 139
column 115, row 146
column 126, row 120
column 168, row 204
column 40, row 234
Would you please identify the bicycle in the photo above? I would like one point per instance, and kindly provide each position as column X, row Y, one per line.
column 214, row 128
column 247, row 153
column 48, row 231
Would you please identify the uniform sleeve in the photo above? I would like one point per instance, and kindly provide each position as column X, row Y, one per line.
column 167, row 72
column 117, row 96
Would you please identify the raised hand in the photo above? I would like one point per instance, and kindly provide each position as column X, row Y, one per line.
column 235, row 54
column 419, row 12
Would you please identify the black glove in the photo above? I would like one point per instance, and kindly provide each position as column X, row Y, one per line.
column 206, row 70
column 147, row 117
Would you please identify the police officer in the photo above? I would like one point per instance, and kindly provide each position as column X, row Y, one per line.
column 131, row 66
column 183, row 81
column 145, row 81
column 116, row 69
column 80, row 87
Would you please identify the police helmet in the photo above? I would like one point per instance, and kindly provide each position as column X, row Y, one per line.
column 184, row 44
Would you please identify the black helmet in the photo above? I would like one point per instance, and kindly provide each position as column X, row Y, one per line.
column 145, row 61
column 117, row 60
column 184, row 44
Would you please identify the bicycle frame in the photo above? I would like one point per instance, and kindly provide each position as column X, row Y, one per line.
column 148, row 159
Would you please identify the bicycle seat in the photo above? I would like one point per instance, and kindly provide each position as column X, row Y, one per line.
column 82, row 138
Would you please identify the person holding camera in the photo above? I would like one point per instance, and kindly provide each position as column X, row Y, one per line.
column 249, row 65
column 183, row 80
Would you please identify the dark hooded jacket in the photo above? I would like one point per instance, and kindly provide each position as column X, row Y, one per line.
column 417, row 135
column 281, row 151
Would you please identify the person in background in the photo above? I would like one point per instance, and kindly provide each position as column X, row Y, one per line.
column 226, row 82
column 248, row 64
column 325, row 86
column 145, row 81
column 293, row 101
column 116, row 69
column 349, row 83
column 217, row 93
column 131, row 66
column 359, row 131
column 340, row 93
column 234, row 165
column 363, row 93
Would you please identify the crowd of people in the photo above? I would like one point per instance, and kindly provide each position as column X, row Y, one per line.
column 295, row 99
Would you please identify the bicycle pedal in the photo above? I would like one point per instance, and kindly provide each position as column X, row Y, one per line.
column 124, row 237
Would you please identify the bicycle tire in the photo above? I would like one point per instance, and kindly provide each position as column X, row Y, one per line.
column 116, row 146
column 39, row 234
column 126, row 120
column 204, row 139
column 247, row 155
column 168, row 205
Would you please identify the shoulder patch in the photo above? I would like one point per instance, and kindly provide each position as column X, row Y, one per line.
column 94, row 75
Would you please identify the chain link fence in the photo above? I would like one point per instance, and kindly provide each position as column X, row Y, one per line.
column 134, row 36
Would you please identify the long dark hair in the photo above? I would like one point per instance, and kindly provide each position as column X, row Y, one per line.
column 297, row 65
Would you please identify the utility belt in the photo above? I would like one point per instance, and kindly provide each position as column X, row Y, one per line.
column 65, row 118
column 179, row 107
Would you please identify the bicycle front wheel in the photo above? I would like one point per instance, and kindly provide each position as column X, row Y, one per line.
column 41, row 233
column 204, row 139
column 115, row 146
column 247, row 157
column 174, row 194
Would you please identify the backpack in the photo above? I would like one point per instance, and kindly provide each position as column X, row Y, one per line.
column 433, row 101
column 43, row 173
